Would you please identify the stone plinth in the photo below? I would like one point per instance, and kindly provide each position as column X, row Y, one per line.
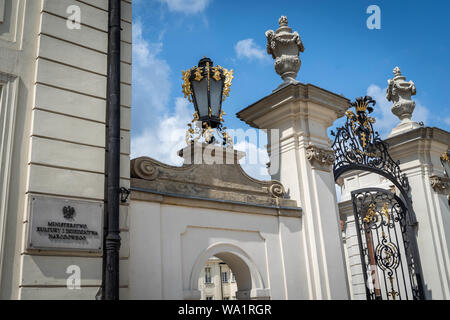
column 202, row 153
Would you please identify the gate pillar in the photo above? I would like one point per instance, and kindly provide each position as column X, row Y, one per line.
column 420, row 153
column 296, row 119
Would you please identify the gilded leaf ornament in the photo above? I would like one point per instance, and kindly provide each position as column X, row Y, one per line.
column 198, row 74
column 216, row 75
column 358, row 145
column 186, row 86
column 227, row 84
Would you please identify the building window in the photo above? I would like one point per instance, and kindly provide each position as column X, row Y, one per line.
column 233, row 278
column 207, row 275
column 224, row 277
column 209, row 297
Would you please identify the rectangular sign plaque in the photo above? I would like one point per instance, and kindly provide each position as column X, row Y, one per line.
column 63, row 224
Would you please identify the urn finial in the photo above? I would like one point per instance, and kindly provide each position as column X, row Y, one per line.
column 400, row 91
column 285, row 47
column 283, row 21
column 397, row 72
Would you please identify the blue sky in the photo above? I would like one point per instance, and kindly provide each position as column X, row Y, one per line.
column 341, row 55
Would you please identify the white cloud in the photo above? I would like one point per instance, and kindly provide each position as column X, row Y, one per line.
column 156, row 132
column 256, row 170
column 163, row 140
column 247, row 48
column 151, row 83
column 385, row 119
column 421, row 113
column 186, row 6
column 447, row 121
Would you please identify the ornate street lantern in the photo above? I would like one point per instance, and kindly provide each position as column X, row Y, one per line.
column 207, row 86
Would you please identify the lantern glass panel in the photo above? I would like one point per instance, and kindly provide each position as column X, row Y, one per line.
column 201, row 96
column 216, row 94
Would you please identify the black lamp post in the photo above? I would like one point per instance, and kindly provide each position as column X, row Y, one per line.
column 207, row 86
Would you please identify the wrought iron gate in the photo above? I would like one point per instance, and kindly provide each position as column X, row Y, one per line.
column 386, row 241
column 385, row 222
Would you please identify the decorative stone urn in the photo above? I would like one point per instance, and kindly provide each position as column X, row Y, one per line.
column 285, row 47
column 400, row 91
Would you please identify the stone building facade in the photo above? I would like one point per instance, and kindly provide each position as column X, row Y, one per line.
column 217, row 281
column 53, row 124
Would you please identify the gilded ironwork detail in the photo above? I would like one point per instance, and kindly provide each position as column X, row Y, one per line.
column 198, row 131
column 222, row 113
column 208, row 76
column 387, row 245
column 358, row 146
column 446, row 157
column 371, row 214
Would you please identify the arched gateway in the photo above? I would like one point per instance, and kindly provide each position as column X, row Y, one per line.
column 250, row 283
column 182, row 216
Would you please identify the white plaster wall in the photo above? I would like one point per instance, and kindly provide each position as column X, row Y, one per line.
column 168, row 243
column 17, row 60
column 358, row 179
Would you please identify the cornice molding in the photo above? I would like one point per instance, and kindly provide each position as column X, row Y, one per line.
column 293, row 93
column 424, row 133
column 220, row 182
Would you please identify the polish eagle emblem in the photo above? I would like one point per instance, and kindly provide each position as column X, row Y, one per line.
column 68, row 212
